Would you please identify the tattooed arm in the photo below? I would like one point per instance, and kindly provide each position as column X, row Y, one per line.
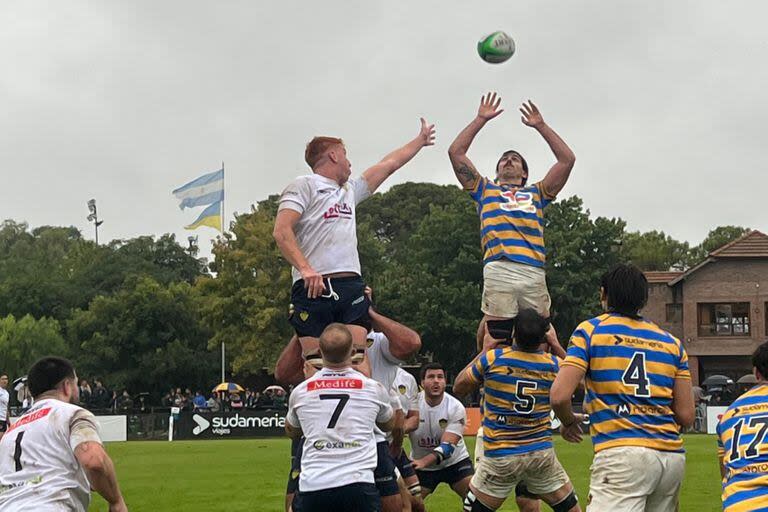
column 465, row 171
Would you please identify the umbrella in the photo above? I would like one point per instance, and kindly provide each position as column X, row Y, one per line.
column 717, row 380
column 747, row 379
column 274, row 388
column 228, row 387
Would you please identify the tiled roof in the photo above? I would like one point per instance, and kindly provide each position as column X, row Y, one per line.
column 752, row 245
column 655, row 277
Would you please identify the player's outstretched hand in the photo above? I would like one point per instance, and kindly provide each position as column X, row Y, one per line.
column 427, row 133
column 419, row 464
column 313, row 282
column 489, row 106
column 531, row 115
column 572, row 433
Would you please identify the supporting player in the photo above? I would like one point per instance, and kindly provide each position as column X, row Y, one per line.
column 511, row 216
column 335, row 411
column 316, row 232
column 390, row 344
column 638, row 397
column 407, row 389
column 517, row 443
column 742, row 445
column 437, row 446
column 52, row 457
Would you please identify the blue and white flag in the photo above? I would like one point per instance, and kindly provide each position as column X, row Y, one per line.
column 205, row 190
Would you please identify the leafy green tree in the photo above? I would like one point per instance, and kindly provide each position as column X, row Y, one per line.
column 25, row 340
column 246, row 304
column 145, row 337
column 655, row 250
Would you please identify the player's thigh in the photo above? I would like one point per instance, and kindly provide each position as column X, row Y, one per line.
column 461, row 487
column 352, row 306
column 429, row 481
column 404, row 495
column 499, row 298
column 544, row 476
column 621, row 480
column 495, row 479
column 667, row 493
column 384, row 474
column 532, row 291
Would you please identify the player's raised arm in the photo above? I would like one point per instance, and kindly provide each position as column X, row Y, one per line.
column 101, row 473
column 463, row 167
column 379, row 172
column 555, row 179
column 466, row 382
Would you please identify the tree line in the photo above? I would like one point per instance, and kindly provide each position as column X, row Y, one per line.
column 146, row 313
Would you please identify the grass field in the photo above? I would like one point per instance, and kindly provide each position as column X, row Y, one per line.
column 250, row 475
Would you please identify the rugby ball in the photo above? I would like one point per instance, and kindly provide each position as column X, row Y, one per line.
column 496, row 48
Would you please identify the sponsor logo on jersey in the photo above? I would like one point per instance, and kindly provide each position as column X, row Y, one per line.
column 443, row 423
column 338, row 211
column 320, row 384
column 401, row 389
column 335, row 445
column 303, row 315
column 29, row 418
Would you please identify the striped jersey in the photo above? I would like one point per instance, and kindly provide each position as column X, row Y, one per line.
column 743, row 448
column 511, row 221
column 631, row 366
column 516, row 410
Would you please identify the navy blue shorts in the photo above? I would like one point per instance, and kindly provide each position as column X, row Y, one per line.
column 450, row 475
column 344, row 301
column 347, row 498
column 404, row 465
column 384, row 474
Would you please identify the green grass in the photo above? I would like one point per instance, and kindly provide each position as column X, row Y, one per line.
column 250, row 475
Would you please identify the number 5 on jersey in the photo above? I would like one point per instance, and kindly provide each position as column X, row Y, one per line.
column 636, row 375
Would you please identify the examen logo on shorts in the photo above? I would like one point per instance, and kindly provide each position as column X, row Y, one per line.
column 334, row 445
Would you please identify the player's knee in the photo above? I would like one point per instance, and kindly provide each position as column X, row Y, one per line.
column 472, row 504
column 314, row 358
column 501, row 329
column 415, row 489
column 567, row 504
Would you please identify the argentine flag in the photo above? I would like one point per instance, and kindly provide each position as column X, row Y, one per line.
column 210, row 217
column 205, row 190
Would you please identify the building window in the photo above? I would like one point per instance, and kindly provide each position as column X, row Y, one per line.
column 674, row 313
column 724, row 319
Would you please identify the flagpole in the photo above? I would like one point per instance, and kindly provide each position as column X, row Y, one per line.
column 223, row 196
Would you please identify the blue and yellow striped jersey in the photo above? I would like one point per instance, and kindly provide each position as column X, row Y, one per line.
column 631, row 366
column 516, row 406
column 743, row 448
column 511, row 221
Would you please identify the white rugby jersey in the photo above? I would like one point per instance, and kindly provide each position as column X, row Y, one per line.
column 447, row 416
column 4, row 398
column 407, row 390
column 337, row 410
column 327, row 230
column 384, row 367
column 38, row 468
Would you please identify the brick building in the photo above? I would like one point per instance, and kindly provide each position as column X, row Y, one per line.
column 719, row 308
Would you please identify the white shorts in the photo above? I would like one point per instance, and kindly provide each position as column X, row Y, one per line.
column 540, row 471
column 509, row 286
column 635, row 479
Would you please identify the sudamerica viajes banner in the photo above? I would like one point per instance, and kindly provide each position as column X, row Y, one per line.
column 224, row 425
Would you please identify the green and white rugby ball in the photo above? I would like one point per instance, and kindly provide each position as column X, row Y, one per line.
column 496, row 48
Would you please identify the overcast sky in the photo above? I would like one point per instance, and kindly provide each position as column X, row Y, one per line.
column 664, row 103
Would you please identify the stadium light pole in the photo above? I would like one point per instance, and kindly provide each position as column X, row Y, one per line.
column 93, row 217
column 222, row 363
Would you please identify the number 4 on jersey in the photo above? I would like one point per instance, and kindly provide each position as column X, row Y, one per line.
column 637, row 376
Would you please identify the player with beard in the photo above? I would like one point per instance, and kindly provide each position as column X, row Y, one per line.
column 437, row 445
column 389, row 345
column 512, row 218
column 52, row 457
